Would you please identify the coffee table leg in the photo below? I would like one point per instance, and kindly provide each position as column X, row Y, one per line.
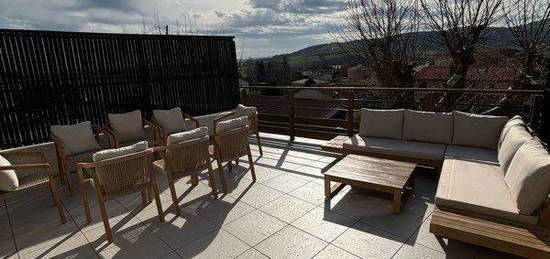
column 397, row 201
column 327, row 188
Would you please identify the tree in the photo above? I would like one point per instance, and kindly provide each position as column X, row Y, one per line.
column 461, row 27
column 529, row 24
column 382, row 35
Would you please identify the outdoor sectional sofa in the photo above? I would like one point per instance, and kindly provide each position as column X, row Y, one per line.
column 494, row 177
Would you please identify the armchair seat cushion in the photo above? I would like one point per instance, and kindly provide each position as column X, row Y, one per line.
column 8, row 178
column 127, row 126
column 76, row 138
column 472, row 154
column 402, row 148
column 173, row 121
column 479, row 188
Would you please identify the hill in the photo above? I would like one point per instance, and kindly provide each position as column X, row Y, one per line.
column 325, row 55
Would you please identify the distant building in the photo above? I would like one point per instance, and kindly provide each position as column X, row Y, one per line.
column 499, row 77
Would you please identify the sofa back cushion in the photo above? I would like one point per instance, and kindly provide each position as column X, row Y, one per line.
column 172, row 120
column 477, row 130
column 77, row 138
column 8, row 178
column 381, row 123
column 514, row 121
column 428, row 126
column 516, row 137
column 528, row 176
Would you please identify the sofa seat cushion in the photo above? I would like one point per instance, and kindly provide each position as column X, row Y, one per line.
column 381, row 123
column 393, row 147
column 472, row 154
column 477, row 130
column 479, row 188
column 430, row 127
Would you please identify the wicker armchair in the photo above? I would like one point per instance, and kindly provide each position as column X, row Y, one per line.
column 231, row 143
column 186, row 158
column 164, row 131
column 41, row 175
column 119, row 138
column 67, row 162
column 116, row 177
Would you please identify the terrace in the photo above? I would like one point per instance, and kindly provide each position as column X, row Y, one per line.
column 74, row 77
column 282, row 215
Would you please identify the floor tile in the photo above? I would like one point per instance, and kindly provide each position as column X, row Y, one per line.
column 382, row 217
column 74, row 246
column 352, row 202
column 218, row 244
column 254, row 227
column 486, row 253
column 264, row 173
column 324, row 224
column 220, row 211
column 418, row 251
column 291, row 243
column 138, row 248
column 334, row 252
column 256, row 195
column 287, row 208
column 368, row 242
column 252, row 254
column 178, row 231
column 7, row 248
column 172, row 255
column 311, row 192
column 285, row 182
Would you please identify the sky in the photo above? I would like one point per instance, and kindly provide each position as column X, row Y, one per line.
column 262, row 27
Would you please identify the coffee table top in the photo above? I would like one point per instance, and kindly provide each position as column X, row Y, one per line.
column 376, row 171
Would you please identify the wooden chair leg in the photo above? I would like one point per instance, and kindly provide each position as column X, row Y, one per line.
column 57, row 201
column 222, row 175
column 230, row 166
column 212, row 182
column 174, row 195
column 157, row 199
column 144, row 197
column 237, row 161
column 84, row 194
column 105, row 219
column 251, row 162
column 259, row 142
column 195, row 179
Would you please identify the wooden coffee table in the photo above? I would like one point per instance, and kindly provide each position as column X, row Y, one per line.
column 389, row 176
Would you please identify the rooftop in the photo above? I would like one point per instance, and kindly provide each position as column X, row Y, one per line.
column 282, row 215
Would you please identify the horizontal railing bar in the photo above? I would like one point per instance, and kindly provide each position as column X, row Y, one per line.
column 405, row 89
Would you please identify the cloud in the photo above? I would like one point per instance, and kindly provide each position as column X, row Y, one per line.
column 301, row 6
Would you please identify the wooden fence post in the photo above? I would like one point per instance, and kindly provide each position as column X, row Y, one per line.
column 351, row 97
column 291, row 112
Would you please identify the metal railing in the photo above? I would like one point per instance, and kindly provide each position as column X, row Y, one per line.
column 324, row 112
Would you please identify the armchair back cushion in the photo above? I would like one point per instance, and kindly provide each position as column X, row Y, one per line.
column 381, row 123
column 173, row 121
column 228, row 125
column 8, row 178
column 528, row 176
column 516, row 120
column 428, row 127
column 477, row 130
column 187, row 135
column 117, row 152
column 128, row 126
column 77, row 138
column 516, row 137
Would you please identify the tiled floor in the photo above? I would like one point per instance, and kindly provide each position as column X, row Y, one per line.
column 282, row 215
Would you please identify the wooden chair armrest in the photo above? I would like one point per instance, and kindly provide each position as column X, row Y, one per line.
column 156, row 130
column 35, row 154
column 26, row 166
column 85, row 165
column 187, row 116
column 113, row 138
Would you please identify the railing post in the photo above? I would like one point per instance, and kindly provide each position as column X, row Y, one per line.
column 545, row 116
column 351, row 97
column 291, row 111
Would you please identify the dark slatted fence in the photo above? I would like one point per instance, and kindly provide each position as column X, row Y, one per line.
column 51, row 78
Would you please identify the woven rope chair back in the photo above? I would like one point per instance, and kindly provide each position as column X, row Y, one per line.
column 187, row 157
column 124, row 175
column 232, row 144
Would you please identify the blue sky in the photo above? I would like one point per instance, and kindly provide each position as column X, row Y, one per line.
column 262, row 27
